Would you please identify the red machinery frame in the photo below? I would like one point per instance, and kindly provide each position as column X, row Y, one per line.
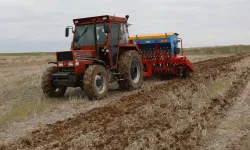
column 165, row 64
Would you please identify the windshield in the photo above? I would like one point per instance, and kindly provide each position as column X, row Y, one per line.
column 85, row 36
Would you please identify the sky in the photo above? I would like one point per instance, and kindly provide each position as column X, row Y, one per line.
column 39, row 25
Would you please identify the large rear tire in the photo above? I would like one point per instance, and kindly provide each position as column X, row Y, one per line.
column 96, row 82
column 48, row 88
column 131, row 68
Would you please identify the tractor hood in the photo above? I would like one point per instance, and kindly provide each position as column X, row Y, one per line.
column 71, row 55
column 84, row 54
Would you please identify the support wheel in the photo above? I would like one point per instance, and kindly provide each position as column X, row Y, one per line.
column 48, row 88
column 186, row 72
column 96, row 82
column 131, row 68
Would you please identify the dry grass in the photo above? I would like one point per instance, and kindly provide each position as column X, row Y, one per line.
column 6, row 61
column 167, row 119
column 22, row 102
column 233, row 129
column 24, row 108
column 197, row 57
column 20, row 93
column 21, row 99
column 180, row 120
column 216, row 50
column 204, row 53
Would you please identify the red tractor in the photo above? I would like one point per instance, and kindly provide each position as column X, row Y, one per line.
column 102, row 52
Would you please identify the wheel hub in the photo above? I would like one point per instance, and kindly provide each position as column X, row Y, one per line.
column 100, row 83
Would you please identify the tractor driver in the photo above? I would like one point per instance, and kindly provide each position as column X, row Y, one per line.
column 102, row 37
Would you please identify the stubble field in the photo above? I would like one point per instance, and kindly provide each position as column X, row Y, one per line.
column 208, row 111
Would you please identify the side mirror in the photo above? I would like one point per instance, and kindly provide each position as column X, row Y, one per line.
column 106, row 28
column 67, row 30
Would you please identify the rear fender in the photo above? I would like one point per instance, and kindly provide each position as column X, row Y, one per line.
column 128, row 47
column 85, row 63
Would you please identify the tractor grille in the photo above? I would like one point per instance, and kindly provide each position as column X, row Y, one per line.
column 64, row 56
column 70, row 69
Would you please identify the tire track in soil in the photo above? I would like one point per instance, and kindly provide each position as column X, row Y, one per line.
column 185, row 139
column 232, row 130
column 211, row 63
column 60, row 134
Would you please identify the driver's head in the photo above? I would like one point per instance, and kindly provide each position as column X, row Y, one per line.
column 100, row 31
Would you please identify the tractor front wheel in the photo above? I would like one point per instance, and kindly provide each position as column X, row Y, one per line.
column 48, row 88
column 96, row 82
column 131, row 68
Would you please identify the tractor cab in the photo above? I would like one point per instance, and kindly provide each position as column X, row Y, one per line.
column 98, row 37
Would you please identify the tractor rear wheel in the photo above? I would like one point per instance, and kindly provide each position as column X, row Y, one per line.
column 96, row 82
column 131, row 68
column 48, row 88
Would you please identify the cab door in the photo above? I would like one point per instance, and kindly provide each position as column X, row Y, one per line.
column 114, row 42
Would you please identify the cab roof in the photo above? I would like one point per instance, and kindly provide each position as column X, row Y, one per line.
column 100, row 18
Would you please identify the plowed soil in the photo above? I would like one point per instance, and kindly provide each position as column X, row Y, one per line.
column 178, row 114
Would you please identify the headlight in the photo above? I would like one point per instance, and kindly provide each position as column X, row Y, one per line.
column 77, row 63
column 60, row 64
column 70, row 63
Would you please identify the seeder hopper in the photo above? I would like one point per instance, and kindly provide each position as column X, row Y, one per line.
column 159, row 55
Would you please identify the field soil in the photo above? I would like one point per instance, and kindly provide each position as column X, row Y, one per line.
column 207, row 111
column 24, row 108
